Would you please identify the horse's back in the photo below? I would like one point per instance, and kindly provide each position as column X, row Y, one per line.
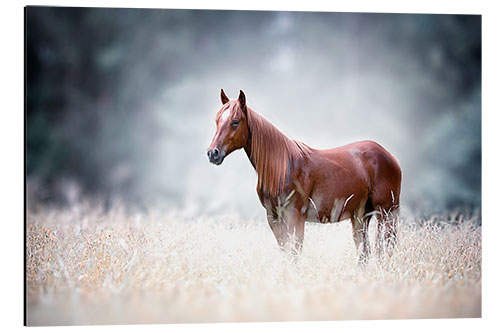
column 366, row 151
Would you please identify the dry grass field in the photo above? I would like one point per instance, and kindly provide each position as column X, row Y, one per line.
column 89, row 267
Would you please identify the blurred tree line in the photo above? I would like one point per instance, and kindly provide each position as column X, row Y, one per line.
column 92, row 74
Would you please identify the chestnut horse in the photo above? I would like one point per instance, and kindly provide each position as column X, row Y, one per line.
column 297, row 183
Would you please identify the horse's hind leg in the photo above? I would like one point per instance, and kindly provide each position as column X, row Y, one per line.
column 386, row 230
column 360, row 236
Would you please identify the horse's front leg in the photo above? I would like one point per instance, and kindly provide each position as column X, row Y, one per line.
column 278, row 228
column 288, row 229
column 295, row 225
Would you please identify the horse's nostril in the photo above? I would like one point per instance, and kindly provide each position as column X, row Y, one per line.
column 215, row 153
column 208, row 153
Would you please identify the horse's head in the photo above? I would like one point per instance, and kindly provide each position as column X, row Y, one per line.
column 232, row 128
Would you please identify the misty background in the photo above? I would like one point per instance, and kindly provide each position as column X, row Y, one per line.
column 121, row 102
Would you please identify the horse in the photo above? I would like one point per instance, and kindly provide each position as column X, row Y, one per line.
column 297, row 183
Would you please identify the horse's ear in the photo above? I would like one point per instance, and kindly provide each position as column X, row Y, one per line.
column 243, row 100
column 223, row 98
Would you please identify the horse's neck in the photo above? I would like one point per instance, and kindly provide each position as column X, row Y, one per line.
column 248, row 150
column 270, row 152
column 268, row 134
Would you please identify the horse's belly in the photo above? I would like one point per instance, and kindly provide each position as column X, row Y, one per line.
column 323, row 212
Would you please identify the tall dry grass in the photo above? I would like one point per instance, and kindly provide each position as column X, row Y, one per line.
column 89, row 267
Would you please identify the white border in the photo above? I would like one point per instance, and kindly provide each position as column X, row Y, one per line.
column 11, row 72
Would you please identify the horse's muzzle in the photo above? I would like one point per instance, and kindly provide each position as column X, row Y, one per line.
column 215, row 156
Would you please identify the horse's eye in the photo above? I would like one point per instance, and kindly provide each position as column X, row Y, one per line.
column 235, row 123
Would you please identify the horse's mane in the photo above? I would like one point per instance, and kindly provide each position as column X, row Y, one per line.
column 271, row 153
